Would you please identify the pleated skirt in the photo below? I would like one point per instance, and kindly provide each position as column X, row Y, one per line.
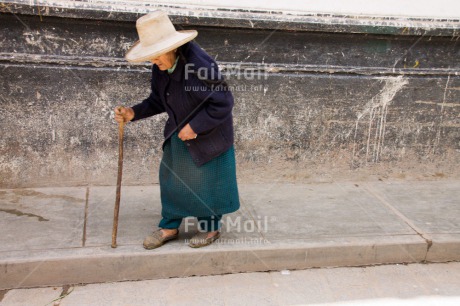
column 189, row 190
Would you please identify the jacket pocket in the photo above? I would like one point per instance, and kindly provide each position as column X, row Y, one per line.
column 211, row 142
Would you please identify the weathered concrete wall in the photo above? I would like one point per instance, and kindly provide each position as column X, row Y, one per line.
column 325, row 105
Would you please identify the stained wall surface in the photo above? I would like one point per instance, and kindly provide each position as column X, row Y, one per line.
column 312, row 103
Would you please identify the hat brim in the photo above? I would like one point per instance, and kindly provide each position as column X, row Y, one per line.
column 140, row 53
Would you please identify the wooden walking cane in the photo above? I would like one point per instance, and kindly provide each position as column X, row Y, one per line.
column 120, row 170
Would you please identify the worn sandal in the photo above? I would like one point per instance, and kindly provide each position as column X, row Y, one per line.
column 200, row 240
column 155, row 240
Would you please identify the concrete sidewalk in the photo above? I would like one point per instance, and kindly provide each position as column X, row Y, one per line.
column 57, row 236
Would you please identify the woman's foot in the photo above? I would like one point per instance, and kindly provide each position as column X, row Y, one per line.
column 212, row 234
column 166, row 232
column 202, row 239
column 159, row 237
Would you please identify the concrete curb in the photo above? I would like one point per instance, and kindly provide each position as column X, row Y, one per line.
column 103, row 264
column 445, row 248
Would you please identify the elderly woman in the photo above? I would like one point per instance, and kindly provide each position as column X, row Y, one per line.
column 197, row 170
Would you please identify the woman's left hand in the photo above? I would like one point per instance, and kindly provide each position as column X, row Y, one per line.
column 187, row 133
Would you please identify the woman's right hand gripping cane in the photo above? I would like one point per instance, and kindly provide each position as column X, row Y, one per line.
column 123, row 114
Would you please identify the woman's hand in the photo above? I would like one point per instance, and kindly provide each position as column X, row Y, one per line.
column 123, row 114
column 187, row 133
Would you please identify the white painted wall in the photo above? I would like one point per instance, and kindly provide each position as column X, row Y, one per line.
column 437, row 9
column 394, row 8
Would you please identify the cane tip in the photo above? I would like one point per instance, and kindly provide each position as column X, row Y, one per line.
column 114, row 246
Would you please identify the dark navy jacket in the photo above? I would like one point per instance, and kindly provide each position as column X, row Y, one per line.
column 188, row 96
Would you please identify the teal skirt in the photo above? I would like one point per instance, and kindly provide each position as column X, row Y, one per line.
column 189, row 190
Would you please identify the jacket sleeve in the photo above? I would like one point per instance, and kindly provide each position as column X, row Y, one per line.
column 216, row 107
column 150, row 106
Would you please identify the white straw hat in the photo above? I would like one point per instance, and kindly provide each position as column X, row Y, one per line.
column 157, row 36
